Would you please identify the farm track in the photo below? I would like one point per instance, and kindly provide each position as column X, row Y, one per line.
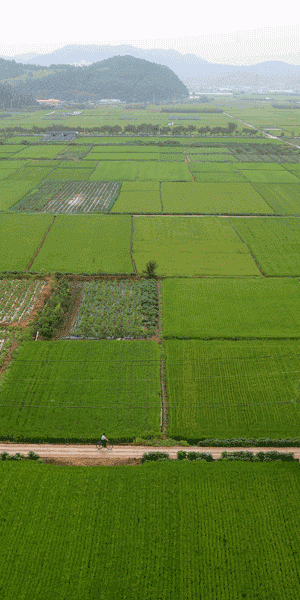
column 40, row 246
column 268, row 135
column 88, row 454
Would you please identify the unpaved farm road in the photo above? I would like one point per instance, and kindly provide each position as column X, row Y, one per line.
column 84, row 455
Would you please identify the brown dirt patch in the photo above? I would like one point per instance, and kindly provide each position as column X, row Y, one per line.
column 87, row 462
column 45, row 294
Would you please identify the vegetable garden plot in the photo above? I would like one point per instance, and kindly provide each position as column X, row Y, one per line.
column 74, row 152
column 86, row 244
column 17, row 298
column 274, row 242
column 191, row 150
column 242, row 518
column 190, row 246
column 231, row 308
column 118, row 170
column 233, row 389
column 71, row 197
column 284, row 198
column 270, row 176
column 20, row 237
column 115, row 309
column 227, row 198
column 137, row 203
column 66, row 389
column 163, row 172
column 124, row 149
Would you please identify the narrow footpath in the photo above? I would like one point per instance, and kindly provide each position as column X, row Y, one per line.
column 84, row 455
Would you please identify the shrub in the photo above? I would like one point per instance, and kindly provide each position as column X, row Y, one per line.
column 156, row 456
column 49, row 319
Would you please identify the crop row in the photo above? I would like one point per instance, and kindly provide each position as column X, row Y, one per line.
column 17, row 298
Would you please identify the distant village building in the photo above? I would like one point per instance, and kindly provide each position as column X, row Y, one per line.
column 50, row 101
column 59, row 136
column 110, row 101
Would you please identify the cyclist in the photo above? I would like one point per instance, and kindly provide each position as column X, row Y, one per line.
column 103, row 440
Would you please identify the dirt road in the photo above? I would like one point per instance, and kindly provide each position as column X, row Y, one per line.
column 89, row 455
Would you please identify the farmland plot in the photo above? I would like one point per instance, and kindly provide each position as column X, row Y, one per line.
column 40, row 151
column 142, row 202
column 272, row 176
column 62, row 174
column 190, row 246
column 129, row 156
column 20, row 237
column 71, row 197
column 118, row 170
column 274, row 242
column 212, row 168
column 30, row 173
column 163, row 172
column 233, row 389
column 17, row 298
column 284, row 198
column 112, row 309
column 231, row 308
column 219, row 177
column 66, row 389
column 249, row 544
column 212, row 158
column 68, row 247
column 208, row 198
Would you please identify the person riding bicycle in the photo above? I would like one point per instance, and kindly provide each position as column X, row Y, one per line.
column 103, row 441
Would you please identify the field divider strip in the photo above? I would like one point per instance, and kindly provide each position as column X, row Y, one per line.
column 131, row 246
column 160, row 196
column 41, row 244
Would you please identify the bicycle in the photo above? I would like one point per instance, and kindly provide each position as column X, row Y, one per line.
column 107, row 447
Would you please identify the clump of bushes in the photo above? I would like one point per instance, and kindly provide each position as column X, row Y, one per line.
column 48, row 320
column 259, row 457
column 30, row 456
column 155, row 456
column 244, row 442
column 183, row 455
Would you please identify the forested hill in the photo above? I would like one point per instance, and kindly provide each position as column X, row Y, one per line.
column 123, row 77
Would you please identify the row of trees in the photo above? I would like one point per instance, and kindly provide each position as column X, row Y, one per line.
column 143, row 129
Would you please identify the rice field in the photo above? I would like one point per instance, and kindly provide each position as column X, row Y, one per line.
column 68, row 249
column 222, row 389
column 274, row 243
column 189, row 246
column 64, row 390
column 212, row 308
column 61, row 516
column 209, row 198
column 20, row 237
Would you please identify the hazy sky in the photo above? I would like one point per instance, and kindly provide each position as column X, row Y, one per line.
column 217, row 31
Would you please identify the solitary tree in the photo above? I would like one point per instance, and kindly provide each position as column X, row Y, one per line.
column 149, row 272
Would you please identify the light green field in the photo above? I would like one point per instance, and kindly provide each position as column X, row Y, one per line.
column 215, row 530
column 219, row 177
column 270, row 176
column 137, row 203
column 86, row 244
column 20, row 238
column 74, row 389
column 212, row 168
column 40, row 151
column 234, row 198
column 283, row 198
column 115, row 171
column 212, row 158
column 233, row 389
column 274, row 242
column 123, row 156
column 163, row 172
column 12, row 192
column 31, row 173
column 140, row 186
column 259, row 167
column 124, row 149
column 190, row 246
column 70, row 174
column 231, row 308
